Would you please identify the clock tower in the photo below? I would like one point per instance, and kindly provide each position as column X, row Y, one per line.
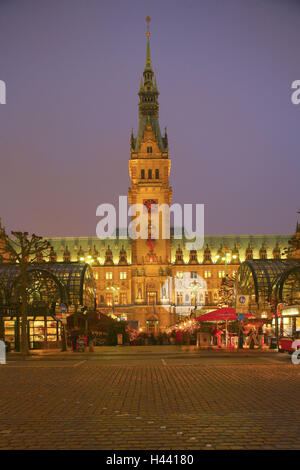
column 149, row 170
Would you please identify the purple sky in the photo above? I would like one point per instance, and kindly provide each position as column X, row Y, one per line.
column 225, row 68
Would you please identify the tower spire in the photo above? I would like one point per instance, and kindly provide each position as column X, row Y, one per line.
column 148, row 57
column 148, row 102
column 148, row 93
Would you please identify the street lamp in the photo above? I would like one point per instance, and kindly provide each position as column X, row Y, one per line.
column 194, row 286
column 226, row 259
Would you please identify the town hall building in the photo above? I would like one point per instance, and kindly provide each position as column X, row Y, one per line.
column 154, row 282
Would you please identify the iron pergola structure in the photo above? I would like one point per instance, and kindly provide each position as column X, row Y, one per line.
column 287, row 289
column 269, row 283
column 269, row 280
column 48, row 285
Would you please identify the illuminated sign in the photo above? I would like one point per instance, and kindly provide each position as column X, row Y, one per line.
column 291, row 311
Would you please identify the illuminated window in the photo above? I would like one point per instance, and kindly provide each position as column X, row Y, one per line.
column 96, row 275
column 179, row 275
column 109, row 299
column 221, row 274
column 179, row 298
column 123, row 299
column 207, row 274
column 123, row 275
column 108, row 275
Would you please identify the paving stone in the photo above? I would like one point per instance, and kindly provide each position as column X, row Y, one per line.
column 96, row 406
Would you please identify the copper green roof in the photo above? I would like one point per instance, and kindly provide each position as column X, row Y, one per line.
column 79, row 246
column 148, row 107
column 153, row 120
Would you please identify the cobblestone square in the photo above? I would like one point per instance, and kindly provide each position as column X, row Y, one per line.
column 181, row 401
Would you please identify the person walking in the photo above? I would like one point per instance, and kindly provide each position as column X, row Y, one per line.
column 260, row 337
column 241, row 337
column 218, row 336
column 74, row 338
column 266, row 337
column 253, row 338
column 90, row 341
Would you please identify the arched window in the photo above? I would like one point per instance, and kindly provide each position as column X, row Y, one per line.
column 150, row 174
column 149, row 149
column 157, row 174
column 142, row 174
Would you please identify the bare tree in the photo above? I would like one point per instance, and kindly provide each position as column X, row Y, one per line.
column 24, row 250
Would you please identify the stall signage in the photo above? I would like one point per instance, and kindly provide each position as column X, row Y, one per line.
column 291, row 311
column 242, row 302
column 63, row 308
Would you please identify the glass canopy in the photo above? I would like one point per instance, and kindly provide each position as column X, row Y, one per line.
column 266, row 278
column 48, row 284
column 287, row 289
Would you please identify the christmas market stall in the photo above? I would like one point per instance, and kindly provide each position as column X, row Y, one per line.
column 226, row 329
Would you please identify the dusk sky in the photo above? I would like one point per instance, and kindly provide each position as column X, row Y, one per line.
column 224, row 68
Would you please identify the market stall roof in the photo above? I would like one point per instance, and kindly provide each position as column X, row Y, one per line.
column 222, row 314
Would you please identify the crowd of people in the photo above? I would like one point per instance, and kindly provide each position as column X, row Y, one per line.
column 244, row 335
column 150, row 339
column 248, row 335
column 79, row 340
column 258, row 336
